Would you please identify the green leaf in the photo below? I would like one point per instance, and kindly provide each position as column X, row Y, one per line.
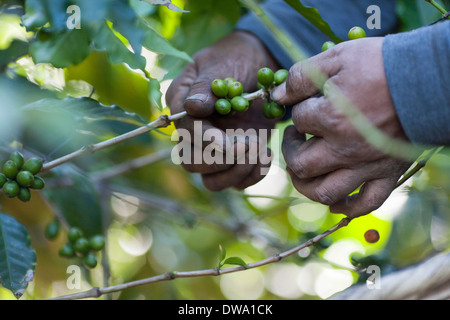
column 17, row 258
column 126, row 22
column 39, row 12
column 79, row 202
column 313, row 16
column 16, row 50
column 155, row 42
column 414, row 14
column 85, row 109
column 104, row 39
column 236, row 261
column 63, row 49
column 166, row 3
column 154, row 94
column 223, row 253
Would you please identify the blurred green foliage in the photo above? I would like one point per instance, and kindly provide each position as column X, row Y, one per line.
column 159, row 218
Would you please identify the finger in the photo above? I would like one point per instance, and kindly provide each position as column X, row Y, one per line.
column 370, row 197
column 179, row 89
column 328, row 189
column 229, row 178
column 195, row 162
column 292, row 141
column 306, row 78
column 203, row 133
column 308, row 159
column 258, row 173
column 311, row 116
column 200, row 100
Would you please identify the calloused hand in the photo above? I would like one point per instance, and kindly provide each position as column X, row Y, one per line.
column 337, row 159
column 239, row 55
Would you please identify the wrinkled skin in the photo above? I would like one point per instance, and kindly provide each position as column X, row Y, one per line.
column 337, row 159
column 239, row 55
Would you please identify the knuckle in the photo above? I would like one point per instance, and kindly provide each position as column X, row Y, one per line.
column 295, row 79
column 298, row 168
column 372, row 202
column 212, row 185
column 324, row 196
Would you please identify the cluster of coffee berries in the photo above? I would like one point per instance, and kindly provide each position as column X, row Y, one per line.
column 232, row 97
column 77, row 244
column 229, row 91
column 19, row 176
column 267, row 79
column 353, row 34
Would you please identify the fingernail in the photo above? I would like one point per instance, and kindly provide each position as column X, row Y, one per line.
column 278, row 93
column 199, row 97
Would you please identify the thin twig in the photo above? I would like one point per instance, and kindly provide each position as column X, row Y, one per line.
column 130, row 165
column 437, row 6
column 419, row 165
column 161, row 122
column 98, row 292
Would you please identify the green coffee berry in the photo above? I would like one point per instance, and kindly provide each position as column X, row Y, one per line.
column 356, row 33
column 327, row 45
column 265, row 76
column 272, row 110
column 90, row 260
column 239, row 104
column 52, row 230
column 266, row 110
column 3, row 179
column 18, row 158
column 25, row 178
column 223, row 106
column 280, row 76
column 38, row 183
column 67, row 251
column 74, row 234
column 24, row 194
column 229, row 80
column 34, row 165
column 10, row 169
column 276, row 110
column 219, row 88
column 235, row 89
column 81, row 245
column 97, row 242
column 11, row 189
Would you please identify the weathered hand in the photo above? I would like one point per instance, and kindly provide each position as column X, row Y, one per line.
column 338, row 159
column 239, row 55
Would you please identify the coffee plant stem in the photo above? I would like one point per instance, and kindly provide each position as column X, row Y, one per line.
column 98, row 292
column 161, row 122
column 131, row 165
column 438, row 7
column 419, row 165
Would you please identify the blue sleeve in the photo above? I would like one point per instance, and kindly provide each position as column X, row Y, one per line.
column 417, row 67
column 341, row 15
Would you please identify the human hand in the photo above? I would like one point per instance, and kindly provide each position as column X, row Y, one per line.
column 338, row 159
column 239, row 55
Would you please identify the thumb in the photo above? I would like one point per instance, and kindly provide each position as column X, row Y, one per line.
column 307, row 78
column 200, row 100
